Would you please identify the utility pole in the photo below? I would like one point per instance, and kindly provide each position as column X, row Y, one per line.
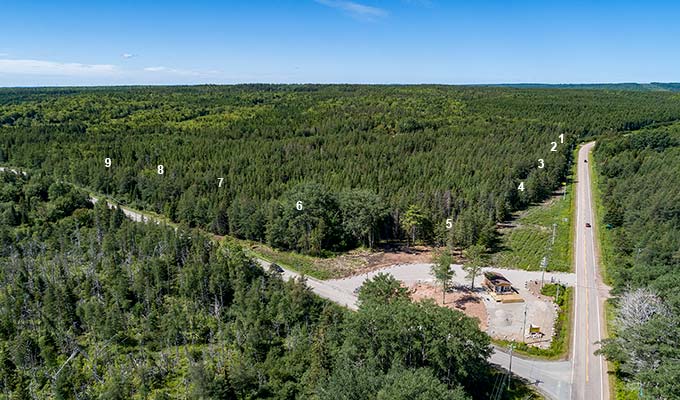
column 554, row 231
column 512, row 347
column 524, row 324
column 544, row 265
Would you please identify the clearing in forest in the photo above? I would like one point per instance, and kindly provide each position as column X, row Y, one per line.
column 528, row 238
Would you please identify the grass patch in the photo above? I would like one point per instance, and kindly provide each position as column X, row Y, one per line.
column 516, row 389
column 297, row 262
column 560, row 344
column 623, row 391
column 604, row 244
column 524, row 246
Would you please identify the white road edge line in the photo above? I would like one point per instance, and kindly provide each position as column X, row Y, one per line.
column 599, row 324
column 575, row 322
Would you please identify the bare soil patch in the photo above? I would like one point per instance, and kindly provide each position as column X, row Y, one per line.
column 361, row 261
column 468, row 302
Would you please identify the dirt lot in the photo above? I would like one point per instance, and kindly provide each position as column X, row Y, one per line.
column 386, row 255
column 462, row 300
column 508, row 321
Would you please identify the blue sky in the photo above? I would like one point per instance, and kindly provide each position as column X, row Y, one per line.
column 333, row 41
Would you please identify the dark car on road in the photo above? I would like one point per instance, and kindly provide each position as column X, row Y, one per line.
column 275, row 268
column 587, row 224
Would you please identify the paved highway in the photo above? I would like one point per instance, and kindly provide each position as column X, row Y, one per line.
column 589, row 379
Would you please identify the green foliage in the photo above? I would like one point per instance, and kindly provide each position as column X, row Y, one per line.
column 95, row 304
column 418, row 384
column 413, row 222
column 419, row 335
column 638, row 177
column 557, row 291
column 382, row 289
column 307, row 220
column 477, row 259
column 441, row 270
column 363, row 213
column 455, row 153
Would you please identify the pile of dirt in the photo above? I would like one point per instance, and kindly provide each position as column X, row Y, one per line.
column 534, row 287
column 469, row 303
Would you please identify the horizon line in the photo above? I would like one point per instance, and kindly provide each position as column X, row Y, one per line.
column 336, row 84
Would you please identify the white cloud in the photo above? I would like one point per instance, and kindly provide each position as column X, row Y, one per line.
column 41, row 67
column 127, row 55
column 156, row 69
column 177, row 71
column 356, row 10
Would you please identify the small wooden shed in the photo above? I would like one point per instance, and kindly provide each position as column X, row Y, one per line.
column 497, row 283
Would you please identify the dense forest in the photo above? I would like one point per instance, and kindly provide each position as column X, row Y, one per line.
column 640, row 185
column 317, row 168
column 95, row 306
column 631, row 86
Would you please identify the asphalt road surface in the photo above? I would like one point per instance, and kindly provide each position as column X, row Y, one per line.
column 589, row 372
column 551, row 378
